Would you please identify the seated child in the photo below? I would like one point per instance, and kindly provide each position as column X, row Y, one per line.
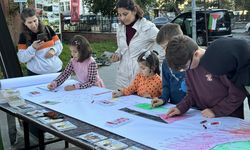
column 147, row 82
column 82, row 64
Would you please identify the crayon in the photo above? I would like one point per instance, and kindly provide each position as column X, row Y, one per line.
column 204, row 126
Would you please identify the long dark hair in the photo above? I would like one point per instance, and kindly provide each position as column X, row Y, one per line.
column 132, row 6
column 30, row 12
column 82, row 46
column 151, row 60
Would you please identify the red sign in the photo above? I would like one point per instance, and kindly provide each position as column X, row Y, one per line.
column 74, row 10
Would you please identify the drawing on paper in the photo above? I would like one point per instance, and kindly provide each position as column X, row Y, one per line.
column 147, row 106
column 174, row 118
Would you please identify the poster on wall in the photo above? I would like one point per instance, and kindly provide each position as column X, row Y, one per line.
column 74, row 10
column 49, row 13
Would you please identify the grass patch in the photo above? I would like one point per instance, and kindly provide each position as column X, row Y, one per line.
column 97, row 48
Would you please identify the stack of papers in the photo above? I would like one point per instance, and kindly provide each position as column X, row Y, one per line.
column 111, row 144
column 36, row 113
column 92, row 137
column 63, row 126
column 47, row 120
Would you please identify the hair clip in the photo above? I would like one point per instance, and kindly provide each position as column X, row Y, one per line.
column 146, row 55
column 77, row 42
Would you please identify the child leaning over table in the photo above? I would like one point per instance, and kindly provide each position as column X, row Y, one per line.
column 215, row 96
column 173, row 82
column 82, row 64
column 147, row 82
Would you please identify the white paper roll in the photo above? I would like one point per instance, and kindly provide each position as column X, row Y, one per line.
column 27, row 81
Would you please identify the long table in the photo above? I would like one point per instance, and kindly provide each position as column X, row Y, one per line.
column 69, row 136
column 146, row 130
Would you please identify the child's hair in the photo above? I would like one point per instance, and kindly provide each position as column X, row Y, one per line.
column 83, row 47
column 180, row 50
column 130, row 5
column 168, row 31
column 151, row 60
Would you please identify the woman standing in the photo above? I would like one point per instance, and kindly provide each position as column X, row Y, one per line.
column 39, row 47
column 134, row 35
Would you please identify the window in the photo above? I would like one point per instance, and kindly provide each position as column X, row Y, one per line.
column 61, row 6
column 67, row 6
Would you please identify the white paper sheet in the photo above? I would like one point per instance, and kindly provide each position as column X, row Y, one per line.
column 27, row 81
column 188, row 133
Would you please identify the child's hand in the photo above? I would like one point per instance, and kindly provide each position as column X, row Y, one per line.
column 51, row 86
column 147, row 95
column 116, row 94
column 69, row 88
column 156, row 102
column 173, row 112
column 208, row 113
column 50, row 53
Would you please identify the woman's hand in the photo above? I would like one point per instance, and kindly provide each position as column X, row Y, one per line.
column 115, row 57
column 50, row 53
column 156, row 102
column 69, row 88
column 37, row 44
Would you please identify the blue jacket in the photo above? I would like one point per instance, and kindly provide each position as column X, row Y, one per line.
column 173, row 85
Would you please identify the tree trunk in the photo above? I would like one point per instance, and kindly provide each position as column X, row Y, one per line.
column 12, row 18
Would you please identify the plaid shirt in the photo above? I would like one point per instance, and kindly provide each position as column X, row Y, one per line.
column 92, row 73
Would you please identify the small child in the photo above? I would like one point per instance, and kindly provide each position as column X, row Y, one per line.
column 173, row 82
column 147, row 82
column 82, row 64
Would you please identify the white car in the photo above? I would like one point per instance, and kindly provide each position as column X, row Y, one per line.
column 247, row 27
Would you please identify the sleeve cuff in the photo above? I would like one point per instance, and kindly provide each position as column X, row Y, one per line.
column 54, row 84
column 32, row 49
column 182, row 109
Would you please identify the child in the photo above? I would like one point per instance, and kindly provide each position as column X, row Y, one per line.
column 215, row 96
column 147, row 82
column 173, row 82
column 82, row 64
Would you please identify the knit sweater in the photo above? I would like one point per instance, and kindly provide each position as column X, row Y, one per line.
column 145, row 85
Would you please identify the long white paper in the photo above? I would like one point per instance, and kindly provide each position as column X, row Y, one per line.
column 188, row 133
column 27, row 81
